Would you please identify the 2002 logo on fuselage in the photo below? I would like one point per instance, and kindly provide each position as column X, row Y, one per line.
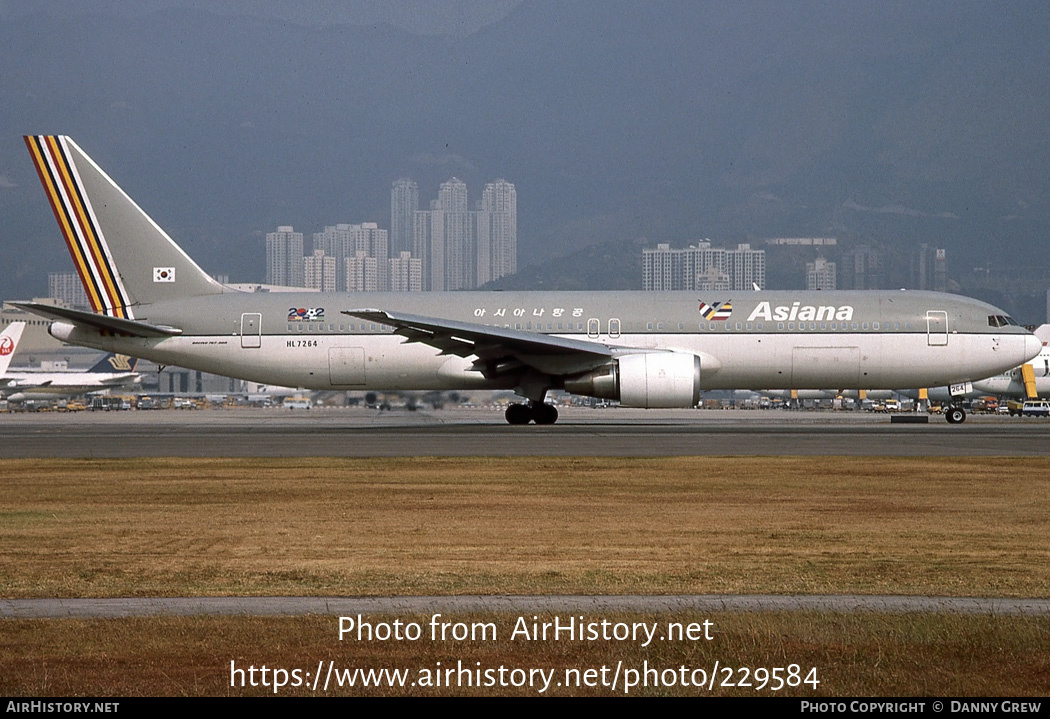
column 306, row 314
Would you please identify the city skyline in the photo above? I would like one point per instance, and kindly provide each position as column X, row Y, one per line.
column 455, row 247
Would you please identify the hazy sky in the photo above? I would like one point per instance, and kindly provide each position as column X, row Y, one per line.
column 895, row 122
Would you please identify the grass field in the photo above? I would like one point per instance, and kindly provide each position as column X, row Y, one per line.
column 853, row 655
column 960, row 527
column 970, row 526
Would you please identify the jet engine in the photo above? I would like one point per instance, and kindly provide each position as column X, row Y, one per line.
column 644, row 379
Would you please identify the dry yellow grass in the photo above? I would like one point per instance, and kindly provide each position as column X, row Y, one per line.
column 858, row 655
column 962, row 526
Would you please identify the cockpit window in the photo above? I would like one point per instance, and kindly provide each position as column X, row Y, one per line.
column 1001, row 321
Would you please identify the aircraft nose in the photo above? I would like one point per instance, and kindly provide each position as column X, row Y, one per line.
column 1032, row 346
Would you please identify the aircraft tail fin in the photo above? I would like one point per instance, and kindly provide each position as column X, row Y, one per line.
column 9, row 343
column 123, row 257
column 115, row 364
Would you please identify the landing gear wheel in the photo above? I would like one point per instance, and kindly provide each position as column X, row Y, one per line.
column 518, row 414
column 544, row 414
column 955, row 415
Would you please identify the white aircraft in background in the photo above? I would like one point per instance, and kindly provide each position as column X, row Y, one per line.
column 644, row 349
column 8, row 346
column 113, row 371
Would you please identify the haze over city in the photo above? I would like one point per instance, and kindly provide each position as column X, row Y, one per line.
column 887, row 123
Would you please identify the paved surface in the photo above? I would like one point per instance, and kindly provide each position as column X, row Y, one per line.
column 345, row 606
column 474, row 432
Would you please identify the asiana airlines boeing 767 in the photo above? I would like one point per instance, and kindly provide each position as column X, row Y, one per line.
column 644, row 349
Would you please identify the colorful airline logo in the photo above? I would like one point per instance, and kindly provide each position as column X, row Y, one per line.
column 54, row 157
column 717, row 312
column 120, row 363
column 799, row 311
column 7, row 346
column 306, row 314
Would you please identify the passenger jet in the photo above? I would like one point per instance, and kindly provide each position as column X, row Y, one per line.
column 644, row 349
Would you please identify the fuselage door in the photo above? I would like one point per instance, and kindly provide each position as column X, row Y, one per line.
column 936, row 328
column 251, row 330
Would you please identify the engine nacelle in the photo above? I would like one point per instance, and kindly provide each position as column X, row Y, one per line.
column 646, row 379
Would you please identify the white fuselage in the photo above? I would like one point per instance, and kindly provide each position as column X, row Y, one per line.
column 51, row 385
column 325, row 360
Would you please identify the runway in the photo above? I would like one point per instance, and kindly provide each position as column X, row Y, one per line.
column 482, row 432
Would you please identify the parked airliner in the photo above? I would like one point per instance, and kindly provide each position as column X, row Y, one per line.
column 643, row 349
column 114, row 371
column 9, row 345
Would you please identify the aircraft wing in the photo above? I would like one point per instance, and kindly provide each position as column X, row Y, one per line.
column 99, row 322
column 497, row 349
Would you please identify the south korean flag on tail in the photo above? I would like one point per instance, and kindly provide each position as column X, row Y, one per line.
column 717, row 312
column 163, row 274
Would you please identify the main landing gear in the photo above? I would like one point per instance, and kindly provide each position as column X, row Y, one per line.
column 537, row 412
column 955, row 414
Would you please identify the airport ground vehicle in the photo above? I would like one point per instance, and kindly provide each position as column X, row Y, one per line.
column 1036, row 408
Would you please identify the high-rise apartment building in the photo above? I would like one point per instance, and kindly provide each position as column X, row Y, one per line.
column 319, row 272
column 346, row 240
column 701, row 267
column 746, row 268
column 930, row 269
column 67, row 287
column 820, row 274
column 443, row 239
column 496, row 232
column 404, row 203
column 429, row 245
column 362, row 272
column 406, row 273
column 284, row 257
column 460, row 255
column 370, row 239
column 861, row 269
column 335, row 242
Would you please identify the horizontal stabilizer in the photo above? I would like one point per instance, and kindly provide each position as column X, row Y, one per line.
column 104, row 323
